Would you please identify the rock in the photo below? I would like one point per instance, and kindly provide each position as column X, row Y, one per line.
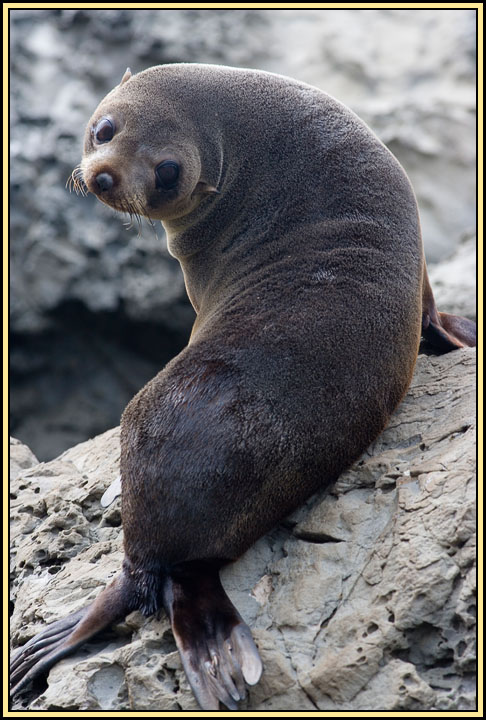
column 21, row 458
column 454, row 280
column 363, row 599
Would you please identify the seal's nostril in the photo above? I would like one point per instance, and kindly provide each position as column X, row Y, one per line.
column 104, row 181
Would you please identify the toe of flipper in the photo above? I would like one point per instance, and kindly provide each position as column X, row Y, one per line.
column 41, row 651
column 64, row 636
column 218, row 670
column 217, row 649
column 247, row 653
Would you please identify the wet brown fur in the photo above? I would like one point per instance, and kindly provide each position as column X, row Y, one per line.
column 308, row 278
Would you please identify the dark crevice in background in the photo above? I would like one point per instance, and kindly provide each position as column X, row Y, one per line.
column 73, row 381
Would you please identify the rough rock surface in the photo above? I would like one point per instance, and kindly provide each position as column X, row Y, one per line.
column 97, row 310
column 454, row 280
column 363, row 599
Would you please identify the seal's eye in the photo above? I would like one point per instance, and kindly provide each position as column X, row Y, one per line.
column 166, row 175
column 104, row 131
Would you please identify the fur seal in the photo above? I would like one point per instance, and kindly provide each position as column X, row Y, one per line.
column 299, row 238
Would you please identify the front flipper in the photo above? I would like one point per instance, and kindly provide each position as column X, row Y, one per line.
column 64, row 636
column 216, row 646
column 445, row 332
column 111, row 493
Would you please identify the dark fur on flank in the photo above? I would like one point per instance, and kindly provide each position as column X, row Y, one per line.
column 299, row 238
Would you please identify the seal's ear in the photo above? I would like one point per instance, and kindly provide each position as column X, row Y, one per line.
column 127, row 76
column 446, row 332
column 203, row 188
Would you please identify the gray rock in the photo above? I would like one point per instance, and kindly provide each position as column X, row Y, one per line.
column 363, row 599
column 454, row 280
column 21, row 458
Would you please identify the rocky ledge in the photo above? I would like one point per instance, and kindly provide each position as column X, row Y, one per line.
column 364, row 599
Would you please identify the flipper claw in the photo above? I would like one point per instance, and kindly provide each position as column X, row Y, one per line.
column 63, row 636
column 216, row 646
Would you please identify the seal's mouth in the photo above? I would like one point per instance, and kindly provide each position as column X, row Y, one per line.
column 138, row 196
column 131, row 207
column 78, row 184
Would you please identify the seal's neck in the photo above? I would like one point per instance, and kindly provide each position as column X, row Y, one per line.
column 228, row 260
column 201, row 240
column 200, row 252
column 197, row 277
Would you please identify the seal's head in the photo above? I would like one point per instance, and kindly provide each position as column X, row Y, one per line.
column 142, row 163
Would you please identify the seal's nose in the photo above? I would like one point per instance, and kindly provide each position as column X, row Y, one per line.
column 104, row 181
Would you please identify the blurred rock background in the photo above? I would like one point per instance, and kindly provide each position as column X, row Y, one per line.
column 97, row 310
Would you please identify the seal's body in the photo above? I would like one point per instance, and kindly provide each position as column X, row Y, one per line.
column 299, row 238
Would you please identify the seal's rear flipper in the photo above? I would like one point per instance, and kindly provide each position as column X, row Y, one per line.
column 449, row 332
column 64, row 636
column 445, row 332
column 216, row 647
